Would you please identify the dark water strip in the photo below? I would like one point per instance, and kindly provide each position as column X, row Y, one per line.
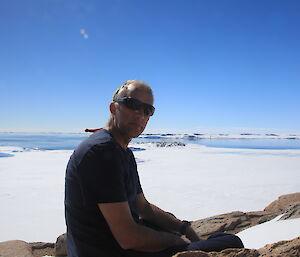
column 62, row 141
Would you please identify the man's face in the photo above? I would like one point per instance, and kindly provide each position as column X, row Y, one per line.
column 132, row 123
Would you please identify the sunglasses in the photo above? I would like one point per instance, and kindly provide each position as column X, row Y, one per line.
column 134, row 104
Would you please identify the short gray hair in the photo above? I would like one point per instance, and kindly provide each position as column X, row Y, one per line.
column 123, row 89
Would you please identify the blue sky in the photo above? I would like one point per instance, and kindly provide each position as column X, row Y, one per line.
column 215, row 65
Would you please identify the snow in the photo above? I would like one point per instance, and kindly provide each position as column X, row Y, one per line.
column 269, row 232
column 31, row 195
column 192, row 181
column 196, row 182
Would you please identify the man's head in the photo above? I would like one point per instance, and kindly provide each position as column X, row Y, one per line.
column 126, row 87
column 131, row 108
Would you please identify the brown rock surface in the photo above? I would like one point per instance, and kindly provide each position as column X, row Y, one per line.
column 41, row 249
column 61, row 245
column 15, row 248
column 233, row 222
column 289, row 248
column 283, row 249
column 292, row 213
column 283, row 202
column 224, row 253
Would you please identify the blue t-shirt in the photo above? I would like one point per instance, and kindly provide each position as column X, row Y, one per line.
column 99, row 171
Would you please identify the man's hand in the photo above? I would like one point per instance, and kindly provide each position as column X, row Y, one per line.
column 182, row 241
column 191, row 234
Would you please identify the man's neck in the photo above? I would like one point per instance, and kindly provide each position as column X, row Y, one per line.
column 121, row 139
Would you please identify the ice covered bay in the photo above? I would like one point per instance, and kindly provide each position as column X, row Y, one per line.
column 197, row 182
column 192, row 181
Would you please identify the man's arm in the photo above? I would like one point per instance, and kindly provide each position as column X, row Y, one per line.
column 162, row 219
column 130, row 235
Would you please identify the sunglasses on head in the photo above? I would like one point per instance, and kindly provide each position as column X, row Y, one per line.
column 134, row 104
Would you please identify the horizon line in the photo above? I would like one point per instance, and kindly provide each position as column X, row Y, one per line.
column 161, row 133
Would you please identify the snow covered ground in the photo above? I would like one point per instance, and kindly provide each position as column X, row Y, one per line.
column 192, row 181
column 270, row 232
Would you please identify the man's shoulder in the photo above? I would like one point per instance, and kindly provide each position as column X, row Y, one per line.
column 100, row 141
column 101, row 137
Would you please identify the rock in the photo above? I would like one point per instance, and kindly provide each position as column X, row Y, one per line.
column 61, row 245
column 289, row 248
column 233, row 222
column 224, row 253
column 283, row 249
column 15, row 248
column 204, row 227
column 283, row 203
column 292, row 213
column 163, row 144
column 231, row 225
column 41, row 249
column 192, row 254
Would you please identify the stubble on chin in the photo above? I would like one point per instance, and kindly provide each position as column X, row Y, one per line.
column 127, row 133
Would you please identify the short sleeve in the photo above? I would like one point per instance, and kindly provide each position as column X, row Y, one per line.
column 101, row 176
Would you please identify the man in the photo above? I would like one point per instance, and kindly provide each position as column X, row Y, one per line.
column 106, row 210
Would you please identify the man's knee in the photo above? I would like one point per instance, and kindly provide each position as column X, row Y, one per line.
column 237, row 242
column 233, row 240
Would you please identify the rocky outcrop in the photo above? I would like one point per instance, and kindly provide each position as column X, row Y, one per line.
column 15, row 248
column 283, row 203
column 61, row 245
column 42, row 249
column 162, row 144
column 292, row 212
column 227, row 253
column 169, row 144
column 234, row 222
column 289, row 248
column 282, row 249
column 18, row 248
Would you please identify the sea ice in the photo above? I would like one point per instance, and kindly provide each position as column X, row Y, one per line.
column 192, row 181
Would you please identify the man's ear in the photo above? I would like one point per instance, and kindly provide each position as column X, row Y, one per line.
column 112, row 108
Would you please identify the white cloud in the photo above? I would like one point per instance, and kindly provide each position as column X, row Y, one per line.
column 84, row 34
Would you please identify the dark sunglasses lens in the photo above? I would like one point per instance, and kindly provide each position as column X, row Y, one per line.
column 149, row 110
column 135, row 104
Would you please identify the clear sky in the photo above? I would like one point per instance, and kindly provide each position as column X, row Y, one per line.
column 214, row 65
